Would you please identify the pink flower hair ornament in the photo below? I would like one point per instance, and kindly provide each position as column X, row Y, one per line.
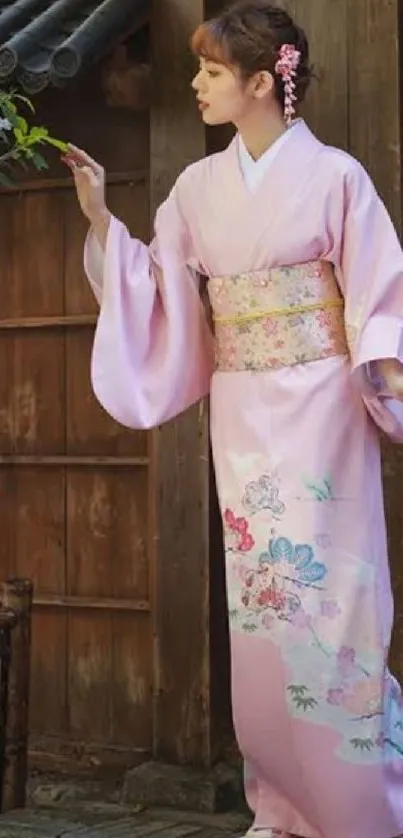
column 286, row 66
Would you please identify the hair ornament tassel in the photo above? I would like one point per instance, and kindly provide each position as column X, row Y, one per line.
column 286, row 66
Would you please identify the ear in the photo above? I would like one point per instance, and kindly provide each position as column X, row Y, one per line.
column 263, row 84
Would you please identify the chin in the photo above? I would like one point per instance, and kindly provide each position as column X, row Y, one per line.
column 213, row 119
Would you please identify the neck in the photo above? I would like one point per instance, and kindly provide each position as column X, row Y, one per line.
column 259, row 131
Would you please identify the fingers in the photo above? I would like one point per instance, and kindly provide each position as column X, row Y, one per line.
column 69, row 162
column 82, row 173
column 83, row 176
column 88, row 174
column 76, row 157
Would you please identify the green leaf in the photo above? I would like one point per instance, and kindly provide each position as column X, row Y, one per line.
column 60, row 144
column 10, row 113
column 19, row 136
column 22, row 125
column 21, row 144
column 39, row 161
column 9, row 105
column 37, row 133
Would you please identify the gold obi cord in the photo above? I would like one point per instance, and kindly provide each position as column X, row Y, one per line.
column 277, row 318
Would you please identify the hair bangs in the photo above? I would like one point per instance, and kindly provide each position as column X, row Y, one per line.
column 209, row 42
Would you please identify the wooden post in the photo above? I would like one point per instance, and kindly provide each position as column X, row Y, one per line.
column 8, row 620
column 17, row 596
column 375, row 96
column 180, row 451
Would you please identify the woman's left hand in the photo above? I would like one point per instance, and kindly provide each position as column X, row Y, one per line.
column 391, row 371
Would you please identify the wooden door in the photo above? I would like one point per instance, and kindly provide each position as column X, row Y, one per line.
column 119, row 530
column 74, row 512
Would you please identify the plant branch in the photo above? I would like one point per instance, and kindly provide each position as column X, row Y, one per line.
column 26, row 139
column 7, row 156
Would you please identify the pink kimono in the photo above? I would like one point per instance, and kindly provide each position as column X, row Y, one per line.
column 305, row 278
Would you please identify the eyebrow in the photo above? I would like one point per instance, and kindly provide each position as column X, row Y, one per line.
column 212, row 61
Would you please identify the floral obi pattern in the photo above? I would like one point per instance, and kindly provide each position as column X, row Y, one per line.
column 277, row 317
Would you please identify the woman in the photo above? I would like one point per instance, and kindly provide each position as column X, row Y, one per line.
column 304, row 275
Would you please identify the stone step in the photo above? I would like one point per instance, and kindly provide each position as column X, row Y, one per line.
column 112, row 822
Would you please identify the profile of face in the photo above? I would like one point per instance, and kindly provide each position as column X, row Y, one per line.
column 224, row 96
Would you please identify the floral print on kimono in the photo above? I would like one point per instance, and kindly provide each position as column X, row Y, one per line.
column 286, row 591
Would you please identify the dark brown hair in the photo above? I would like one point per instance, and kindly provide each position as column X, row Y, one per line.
column 249, row 34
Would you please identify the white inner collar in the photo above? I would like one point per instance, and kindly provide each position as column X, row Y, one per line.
column 254, row 170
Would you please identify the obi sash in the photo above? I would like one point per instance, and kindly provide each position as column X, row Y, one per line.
column 277, row 317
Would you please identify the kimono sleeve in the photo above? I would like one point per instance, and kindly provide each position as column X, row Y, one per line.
column 152, row 351
column 372, row 275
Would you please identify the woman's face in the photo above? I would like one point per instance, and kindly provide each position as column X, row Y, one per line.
column 223, row 96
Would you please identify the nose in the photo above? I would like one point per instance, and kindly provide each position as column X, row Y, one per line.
column 196, row 83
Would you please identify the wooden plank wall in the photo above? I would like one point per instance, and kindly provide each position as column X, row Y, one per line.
column 356, row 104
column 73, row 484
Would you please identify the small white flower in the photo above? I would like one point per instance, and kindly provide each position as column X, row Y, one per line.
column 5, row 125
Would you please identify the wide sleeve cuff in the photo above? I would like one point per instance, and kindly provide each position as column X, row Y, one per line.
column 381, row 338
column 95, row 259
